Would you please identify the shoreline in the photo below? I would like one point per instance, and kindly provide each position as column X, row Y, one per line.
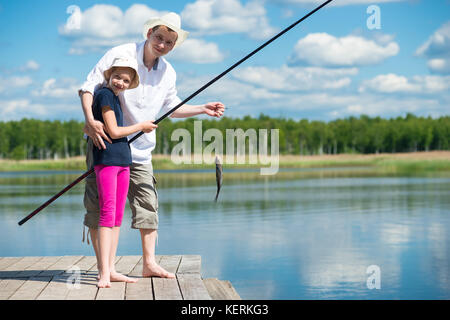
column 414, row 161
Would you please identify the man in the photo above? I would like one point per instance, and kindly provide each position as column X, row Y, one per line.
column 156, row 93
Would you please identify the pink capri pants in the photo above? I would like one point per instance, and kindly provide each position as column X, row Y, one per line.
column 112, row 185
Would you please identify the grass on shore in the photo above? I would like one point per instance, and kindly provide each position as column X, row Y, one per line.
column 393, row 163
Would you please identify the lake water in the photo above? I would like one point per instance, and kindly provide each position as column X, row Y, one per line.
column 301, row 234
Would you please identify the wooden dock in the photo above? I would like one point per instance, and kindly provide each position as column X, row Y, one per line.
column 75, row 278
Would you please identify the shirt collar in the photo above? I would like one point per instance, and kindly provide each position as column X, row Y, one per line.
column 140, row 55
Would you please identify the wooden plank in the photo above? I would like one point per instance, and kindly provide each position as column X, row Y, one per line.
column 61, row 266
column 16, row 269
column 116, row 292
column 190, row 264
column 192, row 287
column 137, row 270
column 221, row 290
column 31, row 289
column 86, row 263
column 166, row 289
column 86, row 288
column 39, row 266
column 170, row 263
column 141, row 290
column 9, row 286
column 5, row 262
column 57, row 288
column 126, row 264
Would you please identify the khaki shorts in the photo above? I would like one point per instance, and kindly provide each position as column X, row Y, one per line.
column 142, row 196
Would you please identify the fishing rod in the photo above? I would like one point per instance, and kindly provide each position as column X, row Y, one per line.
column 87, row 173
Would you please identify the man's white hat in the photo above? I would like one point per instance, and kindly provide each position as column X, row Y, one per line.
column 124, row 62
column 170, row 20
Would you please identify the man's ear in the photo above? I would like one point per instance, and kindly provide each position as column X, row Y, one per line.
column 149, row 33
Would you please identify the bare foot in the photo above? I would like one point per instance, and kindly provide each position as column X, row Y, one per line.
column 104, row 283
column 154, row 270
column 118, row 277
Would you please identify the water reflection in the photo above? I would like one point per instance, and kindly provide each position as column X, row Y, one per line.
column 306, row 234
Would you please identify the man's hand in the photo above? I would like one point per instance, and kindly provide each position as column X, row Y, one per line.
column 96, row 131
column 214, row 109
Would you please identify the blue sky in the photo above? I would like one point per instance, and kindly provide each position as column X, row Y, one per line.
column 330, row 66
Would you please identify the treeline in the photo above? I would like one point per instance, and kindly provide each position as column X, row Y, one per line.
column 36, row 139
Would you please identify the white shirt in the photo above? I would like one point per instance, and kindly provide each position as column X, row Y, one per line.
column 156, row 93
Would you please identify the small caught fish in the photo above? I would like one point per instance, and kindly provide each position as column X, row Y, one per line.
column 218, row 175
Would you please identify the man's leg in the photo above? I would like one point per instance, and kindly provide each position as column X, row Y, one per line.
column 91, row 202
column 143, row 199
column 150, row 267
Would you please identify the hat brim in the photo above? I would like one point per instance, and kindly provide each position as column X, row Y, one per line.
column 182, row 34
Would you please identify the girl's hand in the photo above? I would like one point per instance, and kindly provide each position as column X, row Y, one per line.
column 148, row 126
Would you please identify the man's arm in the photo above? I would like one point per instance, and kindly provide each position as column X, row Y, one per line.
column 93, row 128
column 213, row 109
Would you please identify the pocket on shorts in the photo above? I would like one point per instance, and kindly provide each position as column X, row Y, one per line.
column 156, row 191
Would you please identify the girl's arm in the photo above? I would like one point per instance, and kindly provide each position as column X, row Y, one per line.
column 116, row 132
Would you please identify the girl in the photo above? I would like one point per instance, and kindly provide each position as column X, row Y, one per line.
column 112, row 164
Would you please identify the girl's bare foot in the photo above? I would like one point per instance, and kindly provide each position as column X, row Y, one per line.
column 117, row 277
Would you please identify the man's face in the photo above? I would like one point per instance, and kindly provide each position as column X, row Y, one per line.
column 161, row 41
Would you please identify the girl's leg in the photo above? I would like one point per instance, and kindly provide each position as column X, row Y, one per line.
column 123, row 181
column 107, row 186
column 105, row 238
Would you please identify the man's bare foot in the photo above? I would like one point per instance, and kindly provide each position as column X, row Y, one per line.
column 118, row 277
column 154, row 270
column 103, row 283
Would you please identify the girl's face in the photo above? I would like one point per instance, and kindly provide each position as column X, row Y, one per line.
column 120, row 79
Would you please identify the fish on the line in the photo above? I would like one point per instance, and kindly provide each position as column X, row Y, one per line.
column 218, row 175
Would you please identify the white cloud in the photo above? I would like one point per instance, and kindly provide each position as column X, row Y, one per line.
column 231, row 91
column 30, row 65
column 20, row 108
column 197, row 51
column 322, row 49
column 62, row 89
column 251, row 95
column 14, row 82
column 437, row 50
column 288, row 78
column 17, row 109
column 207, row 17
column 104, row 26
column 392, row 83
column 387, row 106
column 109, row 22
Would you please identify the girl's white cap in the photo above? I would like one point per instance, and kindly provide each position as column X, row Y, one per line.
column 128, row 63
